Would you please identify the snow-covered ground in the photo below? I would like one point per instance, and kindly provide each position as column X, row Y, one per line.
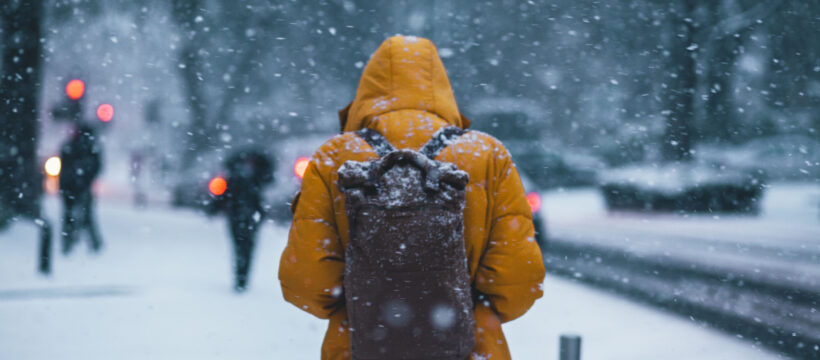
column 161, row 290
column 784, row 205
column 783, row 238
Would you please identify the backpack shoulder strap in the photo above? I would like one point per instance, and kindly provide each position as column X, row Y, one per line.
column 440, row 140
column 376, row 141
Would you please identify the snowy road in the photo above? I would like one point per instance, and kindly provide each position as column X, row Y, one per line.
column 161, row 290
column 758, row 276
column 789, row 222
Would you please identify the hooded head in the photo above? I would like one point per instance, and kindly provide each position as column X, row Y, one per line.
column 405, row 72
column 82, row 130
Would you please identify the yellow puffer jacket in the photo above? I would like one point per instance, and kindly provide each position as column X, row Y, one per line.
column 405, row 95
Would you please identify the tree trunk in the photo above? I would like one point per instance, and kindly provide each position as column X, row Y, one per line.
column 199, row 134
column 720, row 123
column 19, row 99
column 677, row 139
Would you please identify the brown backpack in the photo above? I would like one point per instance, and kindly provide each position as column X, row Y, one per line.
column 407, row 283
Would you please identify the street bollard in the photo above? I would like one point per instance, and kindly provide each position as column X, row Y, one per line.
column 45, row 245
column 570, row 347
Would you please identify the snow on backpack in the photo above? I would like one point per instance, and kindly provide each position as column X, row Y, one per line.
column 407, row 283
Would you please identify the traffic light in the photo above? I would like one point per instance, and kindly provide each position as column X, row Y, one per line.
column 105, row 112
column 75, row 89
column 217, row 186
column 71, row 109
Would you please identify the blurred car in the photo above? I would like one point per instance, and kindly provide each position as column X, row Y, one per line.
column 681, row 187
column 782, row 157
column 517, row 123
column 291, row 156
column 192, row 188
column 534, row 200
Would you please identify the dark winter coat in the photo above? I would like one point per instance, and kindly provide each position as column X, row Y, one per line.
column 405, row 95
column 249, row 171
column 81, row 162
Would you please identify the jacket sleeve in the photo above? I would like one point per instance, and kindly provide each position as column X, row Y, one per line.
column 511, row 270
column 312, row 265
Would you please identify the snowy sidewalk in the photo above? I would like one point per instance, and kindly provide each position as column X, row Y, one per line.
column 161, row 290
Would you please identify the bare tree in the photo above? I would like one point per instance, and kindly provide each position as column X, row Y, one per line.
column 677, row 138
column 21, row 188
column 191, row 65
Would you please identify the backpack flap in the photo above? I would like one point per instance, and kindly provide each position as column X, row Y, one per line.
column 441, row 182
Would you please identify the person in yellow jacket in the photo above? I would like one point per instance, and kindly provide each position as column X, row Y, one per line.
column 405, row 95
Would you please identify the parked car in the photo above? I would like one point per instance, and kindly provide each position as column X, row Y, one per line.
column 517, row 123
column 191, row 189
column 682, row 187
column 292, row 155
column 782, row 157
column 535, row 202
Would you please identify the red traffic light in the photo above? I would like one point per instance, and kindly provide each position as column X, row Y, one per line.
column 105, row 112
column 217, row 186
column 75, row 89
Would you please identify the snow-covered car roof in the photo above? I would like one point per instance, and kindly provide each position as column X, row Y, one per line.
column 779, row 157
column 673, row 178
column 486, row 106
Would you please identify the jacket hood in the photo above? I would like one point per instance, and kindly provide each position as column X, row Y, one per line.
column 405, row 73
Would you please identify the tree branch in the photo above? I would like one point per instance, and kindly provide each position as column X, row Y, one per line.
column 740, row 21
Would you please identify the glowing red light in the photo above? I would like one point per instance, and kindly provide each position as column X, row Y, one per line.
column 534, row 200
column 217, row 186
column 75, row 89
column 300, row 166
column 105, row 112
